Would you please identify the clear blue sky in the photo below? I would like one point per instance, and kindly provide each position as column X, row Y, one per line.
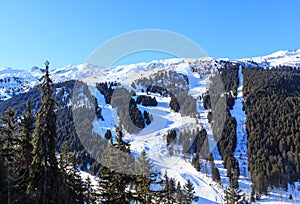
column 66, row 32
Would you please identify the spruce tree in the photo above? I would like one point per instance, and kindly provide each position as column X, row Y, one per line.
column 8, row 142
column 72, row 184
column 179, row 193
column 189, row 193
column 145, row 178
column 116, row 172
column 167, row 194
column 25, row 148
column 45, row 176
column 75, row 184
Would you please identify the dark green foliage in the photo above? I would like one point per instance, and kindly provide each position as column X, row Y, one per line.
column 216, row 174
column 206, row 102
column 136, row 115
column 143, row 181
column 200, row 144
column 272, row 107
column 107, row 89
column 130, row 116
column 146, row 100
column 188, row 193
column 171, row 136
column 167, row 194
column 174, row 105
column 24, row 149
column 108, row 134
column 115, row 175
column 224, row 83
column 230, row 101
column 170, row 83
column 31, row 172
column 98, row 110
column 148, row 117
column 9, row 156
column 157, row 89
column 44, row 172
column 196, row 162
column 73, row 191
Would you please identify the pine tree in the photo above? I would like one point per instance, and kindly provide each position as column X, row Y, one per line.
column 72, row 183
column 179, row 193
column 107, row 186
column 3, row 188
column 75, row 184
column 90, row 195
column 189, row 193
column 167, row 194
column 9, row 141
column 115, row 175
column 145, row 178
column 25, row 148
column 45, row 176
column 216, row 174
column 233, row 196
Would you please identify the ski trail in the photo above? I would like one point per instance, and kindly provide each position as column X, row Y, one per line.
column 213, row 148
column 241, row 151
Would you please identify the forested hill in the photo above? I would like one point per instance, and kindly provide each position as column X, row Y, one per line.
column 211, row 131
column 273, row 124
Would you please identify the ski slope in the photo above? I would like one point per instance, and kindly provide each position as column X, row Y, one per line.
column 241, row 151
column 152, row 138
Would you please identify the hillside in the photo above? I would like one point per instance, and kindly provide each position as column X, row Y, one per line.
column 178, row 111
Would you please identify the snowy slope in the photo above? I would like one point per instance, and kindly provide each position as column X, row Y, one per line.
column 241, row 151
column 284, row 57
column 14, row 81
column 241, row 154
column 152, row 138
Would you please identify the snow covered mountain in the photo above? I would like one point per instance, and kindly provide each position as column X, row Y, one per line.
column 152, row 138
column 284, row 58
column 14, row 81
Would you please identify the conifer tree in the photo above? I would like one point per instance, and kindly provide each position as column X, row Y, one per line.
column 115, row 175
column 144, row 179
column 167, row 194
column 73, row 186
column 45, row 176
column 25, row 148
column 233, row 196
column 188, row 192
column 8, row 142
column 179, row 194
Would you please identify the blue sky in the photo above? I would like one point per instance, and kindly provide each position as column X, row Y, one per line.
column 67, row 32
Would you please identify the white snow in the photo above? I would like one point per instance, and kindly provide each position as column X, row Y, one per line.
column 241, row 151
column 152, row 137
column 283, row 57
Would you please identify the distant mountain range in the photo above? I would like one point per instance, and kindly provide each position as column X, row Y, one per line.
column 14, row 81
